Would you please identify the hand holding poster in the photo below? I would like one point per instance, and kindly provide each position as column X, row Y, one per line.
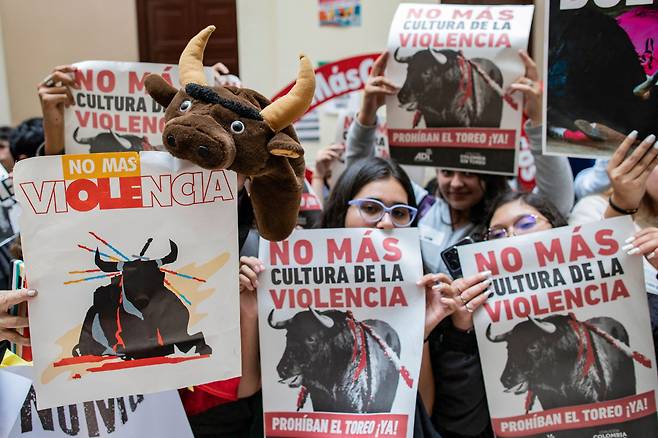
column 112, row 112
column 564, row 338
column 137, row 282
column 454, row 64
column 600, row 68
column 341, row 327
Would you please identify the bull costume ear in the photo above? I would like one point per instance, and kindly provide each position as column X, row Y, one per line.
column 284, row 145
column 159, row 89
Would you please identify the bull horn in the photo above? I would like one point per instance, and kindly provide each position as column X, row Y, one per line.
column 85, row 140
column 190, row 64
column 325, row 320
column 276, row 325
column 499, row 338
column 105, row 266
column 402, row 60
column 124, row 142
column 644, row 89
column 440, row 57
column 547, row 327
column 293, row 105
column 171, row 257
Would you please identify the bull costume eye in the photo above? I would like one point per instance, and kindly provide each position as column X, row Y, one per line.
column 237, row 127
column 185, row 106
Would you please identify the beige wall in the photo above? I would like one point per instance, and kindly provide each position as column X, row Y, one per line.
column 5, row 115
column 40, row 34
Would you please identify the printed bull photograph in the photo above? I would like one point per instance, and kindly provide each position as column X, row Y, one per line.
column 137, row 315
column 110, row 141
column 560, row 361
column 446, row 89
column 340, row 363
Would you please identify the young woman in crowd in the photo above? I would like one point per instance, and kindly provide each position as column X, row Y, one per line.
column 377, row 193
column 462, row 197
column 454, row 395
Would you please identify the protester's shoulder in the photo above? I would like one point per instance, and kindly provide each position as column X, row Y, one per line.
column 589, row 209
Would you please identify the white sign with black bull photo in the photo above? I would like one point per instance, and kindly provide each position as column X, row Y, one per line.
column 112, row 111
column 454, row 65
column 565, row 337
column 341, row 323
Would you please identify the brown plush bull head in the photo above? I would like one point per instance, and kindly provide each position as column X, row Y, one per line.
column 240, row 130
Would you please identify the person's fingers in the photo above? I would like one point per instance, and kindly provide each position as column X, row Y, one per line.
column 464, row 283
column 337, row 147
column 627, row 165
column 530, row 66
column 245, row 282
column 477, row 301
column 427, row 280
column 254, row 262
column 619, row 154
column 450, row 305
column 54, row 90
column 14, row 337
column 250, row 274
column 54, row 99
column 644, row 164
column 66, row 79
column 444, row 278
column 644, row 244
column 13, row 297
column 379, row 65
column 642, row 232
column 446, row 290
column 475, row 290
column 382, row 90
column 220, row 68
column 12, row 322
column 65, row 69
column 526, row 89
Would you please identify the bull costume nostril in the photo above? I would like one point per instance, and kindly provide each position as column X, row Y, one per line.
column 171, row 140
column 204, row 152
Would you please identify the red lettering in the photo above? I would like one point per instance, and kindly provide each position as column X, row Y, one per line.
column 130, row 193
column 303, row 251
column 280, row 251
column 85, row 79
column 370, row 302
column 397, row 297
column 367, row 251
column 521, row 307
column 619, row 290
column 511, row 259
column 414, row 13
column 555, row 301
column 105, row 81
column 342, row 253
column 135, row 83
column 494, row 312
column 393, row 253
column 609, row 246
column 486, row 264
column 278, row 297
column 459, row 15
column 579, row 248
column 506, row 14
column 74, row 195
column 553, row 255
column 304, row 298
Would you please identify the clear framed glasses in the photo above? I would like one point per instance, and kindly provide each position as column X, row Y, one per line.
column 524, row 224
column 372, row 211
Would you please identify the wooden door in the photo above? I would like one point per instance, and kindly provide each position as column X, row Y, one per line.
column 165, row 27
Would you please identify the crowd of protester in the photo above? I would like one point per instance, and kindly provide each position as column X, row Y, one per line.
column 375, row 192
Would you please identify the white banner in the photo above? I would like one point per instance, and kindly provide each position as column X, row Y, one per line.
column 112, row 111
column 565, row 338
column 135, row 258
column 454, row 64
column 341, row 332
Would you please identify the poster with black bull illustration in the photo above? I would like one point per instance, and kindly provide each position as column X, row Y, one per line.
column 454, row 65
column 130, row 416
column 341, row 324
column 112, row 111
column 135, row 259
column 565, row 337
column 600, row 65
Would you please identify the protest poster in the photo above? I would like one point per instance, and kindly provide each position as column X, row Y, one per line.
column 564, row 337
column 137, row 280
column 157, row 415
column 112, row 111
column 13, row 389
column 596, row 97
column 454, row 64
column 341, row 323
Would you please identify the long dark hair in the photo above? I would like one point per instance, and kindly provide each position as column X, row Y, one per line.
column 543, row 205
column 495, row 186
column 353, row 179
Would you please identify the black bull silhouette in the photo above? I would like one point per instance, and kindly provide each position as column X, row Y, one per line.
column 112, row 142
column 595, row 74
column 449, row 91
column 136, row 316
column 324, row 353
column 563, row 362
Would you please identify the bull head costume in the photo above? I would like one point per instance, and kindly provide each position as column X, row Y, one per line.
column 240, row 130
